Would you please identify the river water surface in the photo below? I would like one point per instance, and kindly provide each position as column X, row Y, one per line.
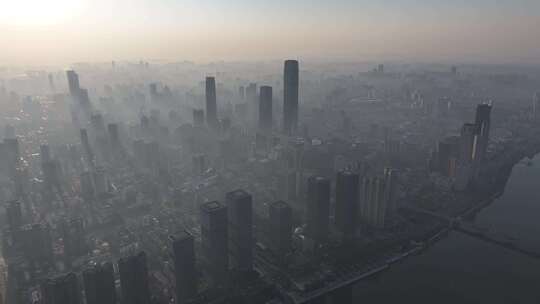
column 463, row 269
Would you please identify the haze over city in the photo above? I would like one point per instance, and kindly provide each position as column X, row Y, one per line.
column 269, row 152
column 62, row 31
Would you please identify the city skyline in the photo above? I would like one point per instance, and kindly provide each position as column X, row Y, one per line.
column 61, row 32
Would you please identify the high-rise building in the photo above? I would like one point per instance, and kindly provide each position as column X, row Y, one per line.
column 265, row 108
column 483, row 123
column 214, row 239
column 14, row 215
column 317, row 208
column 290, row 96
column 252, row 102
column 86, row 145
column 63, row 289
column 99, row 286
column 211, row 105
column 45, row 153
column 391, row 176
column 467, row 143
column 280, row 228
column 134, row 279
column 74, row 237
column 346, row 202
column 183, row 255
column 114, row 136
column 240, row 217
column 242, row 92
column 536, row 106
column 73, row 82
column 198, row 117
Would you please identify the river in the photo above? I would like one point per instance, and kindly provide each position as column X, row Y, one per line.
column 463, row 269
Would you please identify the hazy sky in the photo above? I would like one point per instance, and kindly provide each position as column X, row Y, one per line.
column 64, row 31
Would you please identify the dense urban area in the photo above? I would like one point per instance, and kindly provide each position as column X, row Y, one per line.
column 230, row 182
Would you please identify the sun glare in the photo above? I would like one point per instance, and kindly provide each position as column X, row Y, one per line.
column 38, row 12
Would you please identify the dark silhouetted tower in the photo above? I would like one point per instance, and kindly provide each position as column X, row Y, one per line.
column 483, row 123
column 346, row 202
column 214, row 239
column 73, row 83
column 134, row 279
column 183, row 254
column 318, row 208
column 239, row 205
column 99, row 286
column 198, row 117
column 265, row 108
column 290, row 96
column 280, row 228
column 211, row 106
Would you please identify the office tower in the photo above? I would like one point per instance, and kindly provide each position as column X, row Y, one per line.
column 198, row 117
column 101, row 184
column 63, row 289
column 199, row 164
column 318, row 208
column 391, row 176
column 99, row 286
column 380, row 68
column 536, row 106
column 51, row 175
column 454, row 70
column 73, row 83
column 153, row 91
column 240, row 217
column 214, row 242
column 36, row 243
column 377, row 206
column 290, row 96
column 134, row 279
column 14, row 215
column 45, row 153
column 252, row 102
column 448, row 149
column 364, row 199
column 241, row 92
column 467, row 143
column 211, row 106
column 183, row 255
column 51, row 83
column 114, row 136
column 87, row 187
column 280, row 228
column 11, row 146
column 98, row 125
column 265, row 108
column 483, row 123
column 346, row 202
column 74, row 237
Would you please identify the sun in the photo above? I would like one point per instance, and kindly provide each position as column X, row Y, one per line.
column 38, row 12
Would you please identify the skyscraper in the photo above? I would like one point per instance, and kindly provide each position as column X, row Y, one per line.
column 63, row 289
column 280, row 228
column 346, row 202
column 318, row 208
column 73, row 82
column 240, row 216
column 74, row 237
column 252, row 102
column 467, row 143
column 99, row 286
column 214, row 239
column 483, row 123
column 211, row 106
column 290, row 96
column 391, row 176
column 183, row 254
column 134, row 279
column 265, row 108
column 536, row 106
column 198, row 117
column 14, row 215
